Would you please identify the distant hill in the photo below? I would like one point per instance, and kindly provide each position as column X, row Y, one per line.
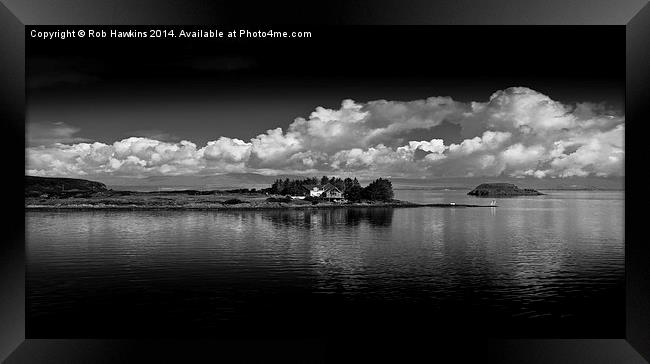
column 502, row 190
column 256, row 180
column 212, row 182
column 51, row 186
column 569, row 183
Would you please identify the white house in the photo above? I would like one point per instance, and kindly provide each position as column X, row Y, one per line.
column 326, row 191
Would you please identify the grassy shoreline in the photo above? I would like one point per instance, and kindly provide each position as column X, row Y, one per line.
column 179, row 200
column 236, row 208
column 213, row 207
column 221, row 201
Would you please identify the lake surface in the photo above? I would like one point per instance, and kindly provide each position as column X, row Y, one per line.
column 544, row 266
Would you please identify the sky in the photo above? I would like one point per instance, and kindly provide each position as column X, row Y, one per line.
column 399, row 102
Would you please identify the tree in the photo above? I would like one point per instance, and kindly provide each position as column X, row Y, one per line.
column 276, row 187
column 347, row 183
column 324, row 180
column 294, row 189
column 378, row 190
column 353, row 193
column 338, row 183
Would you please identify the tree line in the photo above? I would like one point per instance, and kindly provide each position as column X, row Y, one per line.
column 380, row 189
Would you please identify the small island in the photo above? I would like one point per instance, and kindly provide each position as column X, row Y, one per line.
column 502, row 190
column 71, row 193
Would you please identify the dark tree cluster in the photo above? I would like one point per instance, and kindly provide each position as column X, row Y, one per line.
column 379, row 190
column 291, row 186
column 233, row 201
column 294, row 187
column 244, row 190
column 279, row 199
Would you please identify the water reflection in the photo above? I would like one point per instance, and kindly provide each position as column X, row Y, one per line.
column 322, row 218
column 528, row 258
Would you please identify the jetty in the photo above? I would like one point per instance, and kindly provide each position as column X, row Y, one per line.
column 456, row 205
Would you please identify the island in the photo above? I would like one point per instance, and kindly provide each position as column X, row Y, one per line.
column 71, row 193
column 61, row 187
column 502, row 190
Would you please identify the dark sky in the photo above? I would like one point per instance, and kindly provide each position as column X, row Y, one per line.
column 205, row 88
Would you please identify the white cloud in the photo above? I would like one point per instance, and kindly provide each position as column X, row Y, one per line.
column 517, row 132
column 131, row 156
column 227, row 150
column 274, row 147
column 490, row 140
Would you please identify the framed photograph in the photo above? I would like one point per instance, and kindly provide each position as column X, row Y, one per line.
column 214, row 186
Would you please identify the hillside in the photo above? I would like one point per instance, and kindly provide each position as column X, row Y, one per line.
column 256, row 180
column 212, row 182
column 52, row 186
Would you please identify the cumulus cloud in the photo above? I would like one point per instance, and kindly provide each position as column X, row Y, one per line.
column 130, row 157
column 516, row 132
column 227, row 150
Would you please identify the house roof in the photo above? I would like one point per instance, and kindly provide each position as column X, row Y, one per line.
column 329, row 187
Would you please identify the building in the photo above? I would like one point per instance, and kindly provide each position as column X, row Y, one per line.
column 326, row 191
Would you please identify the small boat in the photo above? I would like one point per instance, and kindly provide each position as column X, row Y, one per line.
column 452, row 203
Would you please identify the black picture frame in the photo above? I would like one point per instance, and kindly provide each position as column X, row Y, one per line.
column 16, row 14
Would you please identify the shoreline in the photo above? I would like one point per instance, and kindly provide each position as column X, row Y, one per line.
column 220, row 207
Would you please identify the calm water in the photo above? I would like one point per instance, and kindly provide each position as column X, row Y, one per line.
column 549, row 266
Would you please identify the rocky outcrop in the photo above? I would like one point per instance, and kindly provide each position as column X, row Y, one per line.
column 502, row 190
